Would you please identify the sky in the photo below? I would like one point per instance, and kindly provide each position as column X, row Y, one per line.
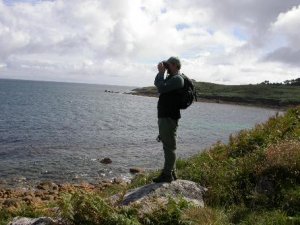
column 120, row 42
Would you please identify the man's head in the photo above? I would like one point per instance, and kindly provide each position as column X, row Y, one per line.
column 173, row 65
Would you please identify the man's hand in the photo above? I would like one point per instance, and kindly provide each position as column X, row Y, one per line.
column 161, row 68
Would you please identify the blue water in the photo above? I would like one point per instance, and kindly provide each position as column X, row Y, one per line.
column 58, row 131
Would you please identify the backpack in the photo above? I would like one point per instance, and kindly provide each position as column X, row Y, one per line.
column 187, row 94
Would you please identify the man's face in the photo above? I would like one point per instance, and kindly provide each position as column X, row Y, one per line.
column 172, row 68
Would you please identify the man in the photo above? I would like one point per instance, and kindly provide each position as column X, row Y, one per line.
column 168, row 113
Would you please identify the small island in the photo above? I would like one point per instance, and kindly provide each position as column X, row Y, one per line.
column 266, row 94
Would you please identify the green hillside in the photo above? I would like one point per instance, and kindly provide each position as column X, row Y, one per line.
column 259, row 94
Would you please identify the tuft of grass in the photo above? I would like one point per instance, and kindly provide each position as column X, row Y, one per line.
column 205, row 216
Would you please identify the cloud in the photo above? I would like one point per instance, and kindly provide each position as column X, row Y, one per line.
column 285, row 27
column 285, row 55
column 120, row 42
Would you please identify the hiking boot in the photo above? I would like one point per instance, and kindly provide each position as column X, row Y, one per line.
column 174, row 175
column 163, row 178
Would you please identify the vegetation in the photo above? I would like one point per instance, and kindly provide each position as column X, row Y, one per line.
column 267, row 94
column 254, row 179
column 293, row 82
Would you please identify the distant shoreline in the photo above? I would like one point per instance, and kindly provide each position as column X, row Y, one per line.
column 266, row 95
column 212, row 100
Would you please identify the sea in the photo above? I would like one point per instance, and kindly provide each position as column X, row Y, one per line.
column 61, row 131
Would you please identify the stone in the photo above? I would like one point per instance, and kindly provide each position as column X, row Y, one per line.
column 161, row 192
column 39, row 193
column 11, row 203
column 47, row 198
column 47, row 185
column 28, row 193
column 118, row 180
column 27, row 198
column 136, row 170
column 106, row 161
column 2, row 182
column 30, row 221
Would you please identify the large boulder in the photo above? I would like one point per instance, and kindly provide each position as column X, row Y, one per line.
column 30, row 221
column 161, row 192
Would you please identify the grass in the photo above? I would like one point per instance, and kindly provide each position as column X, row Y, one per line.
column 254, row 179
column 257, row 94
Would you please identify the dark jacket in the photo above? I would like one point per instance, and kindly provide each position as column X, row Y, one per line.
column 167, row 105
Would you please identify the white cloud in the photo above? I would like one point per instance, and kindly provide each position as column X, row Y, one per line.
column 287, row 24
column 120, row 42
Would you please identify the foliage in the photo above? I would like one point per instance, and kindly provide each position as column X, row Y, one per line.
column 91, row 209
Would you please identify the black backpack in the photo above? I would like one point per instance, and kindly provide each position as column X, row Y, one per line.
column 187, row 94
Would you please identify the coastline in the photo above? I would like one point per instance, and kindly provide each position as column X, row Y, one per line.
column 218, row 101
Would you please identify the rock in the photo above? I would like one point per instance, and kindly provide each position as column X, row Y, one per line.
column 30, row 221
column 47, row 198
column 11, row 203
column 3, row 182
column 119, row 180
column 160, row 192
column 28, row 193
column 39, row 193
column 136, row 170
column 106, row 181
column 27, row 198
column 106, row 161
column 47, row 185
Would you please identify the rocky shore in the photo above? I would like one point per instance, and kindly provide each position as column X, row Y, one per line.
column 48, row 191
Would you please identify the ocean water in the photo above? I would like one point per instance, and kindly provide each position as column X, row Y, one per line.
column 60, row 131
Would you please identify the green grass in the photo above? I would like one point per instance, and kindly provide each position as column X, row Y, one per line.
column 254, row 179
column 257, row 94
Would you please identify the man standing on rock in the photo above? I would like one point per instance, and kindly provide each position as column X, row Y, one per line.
column 168, row 113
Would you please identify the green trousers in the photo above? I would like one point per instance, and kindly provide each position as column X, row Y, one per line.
column 167, row 131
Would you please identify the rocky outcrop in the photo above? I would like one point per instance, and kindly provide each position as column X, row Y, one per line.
column 30, row 221
column 150, row 195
